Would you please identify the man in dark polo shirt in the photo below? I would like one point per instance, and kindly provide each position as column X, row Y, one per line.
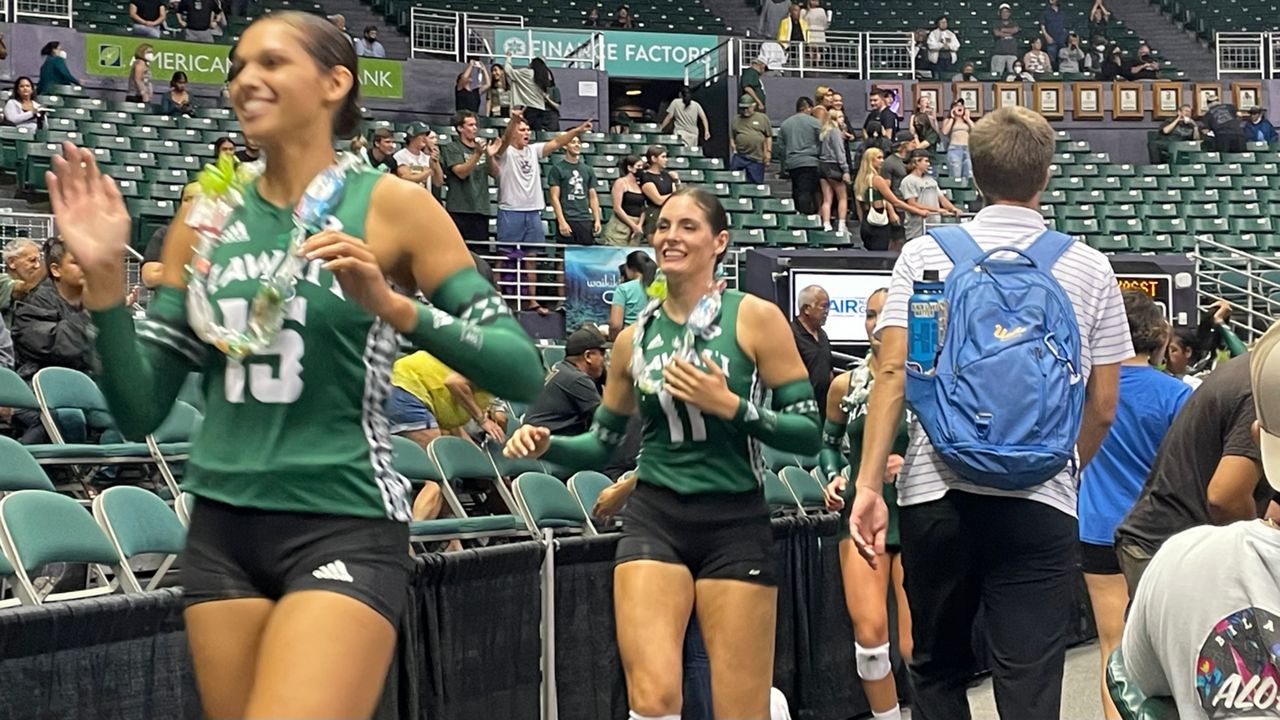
column 1206, row 470
column 198, row 17
column 147, row 17
column 570, row 397
column 811, row 339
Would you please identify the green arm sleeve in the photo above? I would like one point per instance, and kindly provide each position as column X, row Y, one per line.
column 469, row 328
column 830, row 458
column 143, row 368
column 1234, row 345
column 793, row 427
column 593, row 449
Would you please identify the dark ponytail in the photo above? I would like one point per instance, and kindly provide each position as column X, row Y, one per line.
column 330, row 48
column 639, row 261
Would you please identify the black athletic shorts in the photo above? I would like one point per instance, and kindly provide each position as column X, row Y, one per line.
column 723, row 537
column 473, row 227
column 235, row 552
column 1099, row 559
column 581, row 232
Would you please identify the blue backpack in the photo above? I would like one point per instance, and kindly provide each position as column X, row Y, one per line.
column 1004, row 405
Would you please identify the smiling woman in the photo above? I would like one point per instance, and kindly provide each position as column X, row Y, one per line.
column 296, row 561
column 695, row 366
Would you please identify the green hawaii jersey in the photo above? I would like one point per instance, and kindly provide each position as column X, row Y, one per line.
column 683, row 449
column 855, row 424
column 299, row 427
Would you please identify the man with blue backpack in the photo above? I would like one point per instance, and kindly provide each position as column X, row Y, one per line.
column 1013, row 384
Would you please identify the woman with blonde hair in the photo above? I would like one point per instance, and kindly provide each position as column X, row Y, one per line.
column 833, row 171
column 876, row 216
column 140, row 74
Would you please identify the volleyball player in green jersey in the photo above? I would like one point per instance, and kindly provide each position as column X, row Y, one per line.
column 696, row 531
column 865, row 588
column 296, row 564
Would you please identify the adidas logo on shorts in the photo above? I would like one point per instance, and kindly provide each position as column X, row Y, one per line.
column 336, row 570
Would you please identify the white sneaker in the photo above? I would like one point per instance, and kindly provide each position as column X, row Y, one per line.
column 826, row 227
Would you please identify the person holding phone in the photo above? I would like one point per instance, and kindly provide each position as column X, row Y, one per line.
column 957, row 127
column 473, row 83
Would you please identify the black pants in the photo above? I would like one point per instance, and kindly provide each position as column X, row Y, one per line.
column 1016, row 558
column 1229, row 143
column 804, row 189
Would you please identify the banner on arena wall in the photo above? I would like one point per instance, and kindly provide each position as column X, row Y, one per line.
column 207, row 64
column 590, row 275
column 626, row 53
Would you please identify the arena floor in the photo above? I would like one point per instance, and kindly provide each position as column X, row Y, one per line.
column 1079, row 689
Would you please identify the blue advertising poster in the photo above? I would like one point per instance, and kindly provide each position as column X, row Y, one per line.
column 590, row 275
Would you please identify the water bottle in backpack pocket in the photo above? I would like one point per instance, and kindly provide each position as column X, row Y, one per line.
column 1004, row 402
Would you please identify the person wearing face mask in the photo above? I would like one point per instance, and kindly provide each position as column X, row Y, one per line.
column 178, row 100
column 367, row 45
column 624, row 226
column 140, row 75
column 1019, row 74
column 54, row 71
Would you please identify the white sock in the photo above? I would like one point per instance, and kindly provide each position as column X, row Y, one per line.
column 636, row 716
column 895, row 713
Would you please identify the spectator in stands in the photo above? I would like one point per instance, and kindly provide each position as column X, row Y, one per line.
column 551, row 120
column 1053, row 28
column 923, row 68
column 1226, row 123
column 147, row 17
column 811, row 340
column 1012, row 553
column 570, row 396
column 1019, row 73
column 1144, row 65
column 21, row 109
column 1113, row 68
column 622, row 17
column 1259, row 128
column 881, row 102
column 772, row 13
column 1148, row 402
column 793, row 28
column 199, row 19
column 593, row 19
column 250, row 153
column 924, row 124
column 1182, row 355
column 1005, row 51
column 943, row 46
column 957, row 127
column 630, row 297
column 367, row 45
column 921, row 192
column 875, row 213
column 1036, row 61
column 685, row 114
column 472, row 84
column 1099, row 19
column 419, row 160
column 499, row 92
column 798, row 145
column 340, row 21
column 818, row 19
column 381, row 151
column 750, row 84
column 872, row 137
column 657, row 183
column 53, row 71
column 1072, row 56
column 895, row 171
column 572, row 191
column 6, row 360
column 529, row 87
column 1181, row 128
column 178, row 100
column 1206, row 471
column 966, row 73
column 750, row 140
column 152, row 271
column 833, row 167
column 24, row 270
column 514, row 162
column 140, row 89
column 625, row 225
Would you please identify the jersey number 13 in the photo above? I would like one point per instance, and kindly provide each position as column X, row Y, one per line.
column 278, row 385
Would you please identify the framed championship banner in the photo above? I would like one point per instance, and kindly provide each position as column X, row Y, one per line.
column 971, row 93
column 1247, row 94
column 1166, row 98
column 1087, row 103
column 1205, row 95
column 1008, row 95
column 1048, row 98
column 1127, row 101
column 932, row 92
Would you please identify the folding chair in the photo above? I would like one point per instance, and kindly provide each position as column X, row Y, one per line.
column 37, row 528
column 586, row 486
column 807, row 490
column 184, row 505
column 548, row 503
column 138, row 522
column 416, row 464
column 778, row 496
column 171, row 442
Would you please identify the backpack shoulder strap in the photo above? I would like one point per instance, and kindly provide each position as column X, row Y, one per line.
column 1047, row 248
column 956, row 242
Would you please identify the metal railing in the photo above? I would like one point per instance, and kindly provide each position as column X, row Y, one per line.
column 855, row 54
column 41, row 11
column 448, row 34
column 1249, row 281
column 710, row 65
column 1244, row 53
